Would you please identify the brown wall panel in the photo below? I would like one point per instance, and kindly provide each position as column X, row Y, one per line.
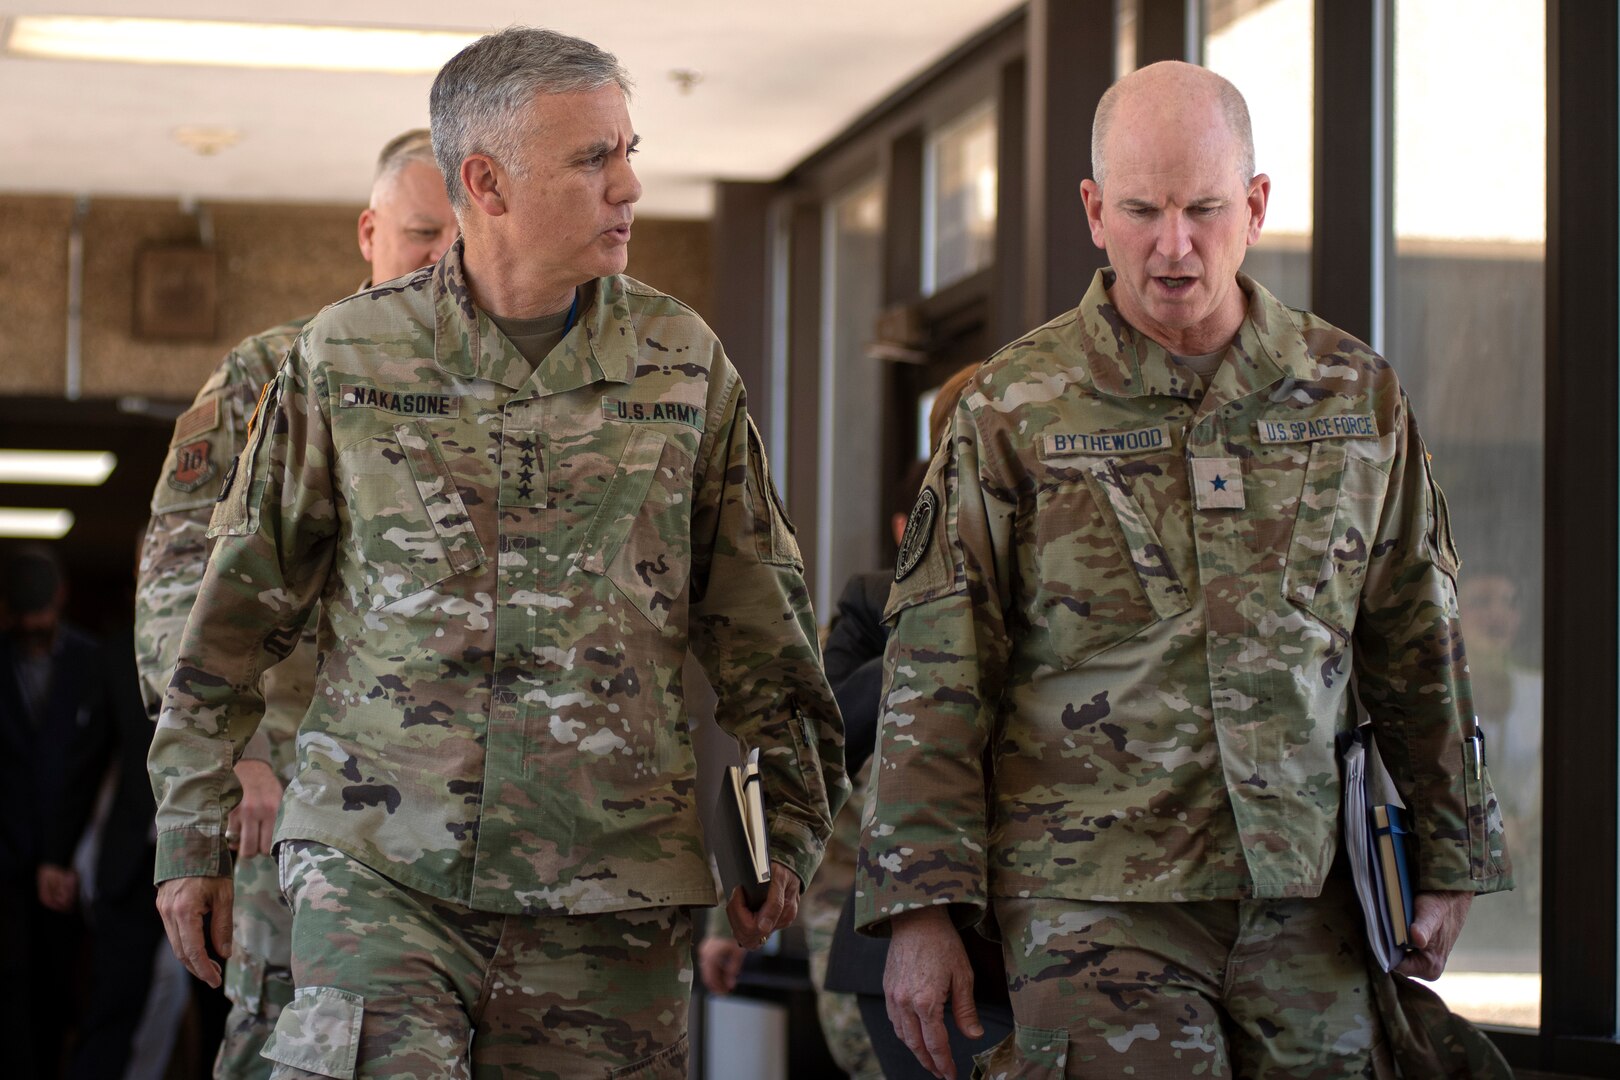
column 275, row 262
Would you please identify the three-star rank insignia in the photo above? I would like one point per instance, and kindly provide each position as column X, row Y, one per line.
column 919, row 531
column 193, row 465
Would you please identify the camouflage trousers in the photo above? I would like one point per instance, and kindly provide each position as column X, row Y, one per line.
column 1259, row 989
column 395, row 983
column 258, row 977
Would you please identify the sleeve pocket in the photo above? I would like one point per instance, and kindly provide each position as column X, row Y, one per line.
column 1487, row 846
column 318, row 1032
column 773, row 532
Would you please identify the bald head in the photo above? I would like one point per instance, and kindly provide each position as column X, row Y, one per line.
column 1191, row 101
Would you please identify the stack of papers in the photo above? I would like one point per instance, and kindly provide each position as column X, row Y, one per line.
column 1376, row 840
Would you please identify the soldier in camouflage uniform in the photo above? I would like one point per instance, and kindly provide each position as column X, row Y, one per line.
column 521, row 488
column 408, row 224
column 1166, row 529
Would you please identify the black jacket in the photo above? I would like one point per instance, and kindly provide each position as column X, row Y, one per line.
column 34, row 750
column 118, row 733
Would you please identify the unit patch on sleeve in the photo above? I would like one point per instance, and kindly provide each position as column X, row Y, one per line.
column 404, row 402
column 919, row 530
column 193, row 465
column 653, row 412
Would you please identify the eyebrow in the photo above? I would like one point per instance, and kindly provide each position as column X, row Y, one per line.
column 603, row 147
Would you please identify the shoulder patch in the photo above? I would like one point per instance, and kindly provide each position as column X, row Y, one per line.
column 193, row 465
column 200, row 419
column 919, row 530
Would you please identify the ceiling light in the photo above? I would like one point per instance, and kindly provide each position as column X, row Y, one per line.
column 83, row 467
column 234, row 44
column 35, row 524
column 206, row 141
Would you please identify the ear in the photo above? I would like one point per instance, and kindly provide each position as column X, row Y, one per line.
column 1091, row 195
column 1259, row 195
column 485, row 183
column 367, row 229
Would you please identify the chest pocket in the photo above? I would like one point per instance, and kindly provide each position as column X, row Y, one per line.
column 1333, row 533
column 1103, row 575
column 640, row 536
column 410, row 527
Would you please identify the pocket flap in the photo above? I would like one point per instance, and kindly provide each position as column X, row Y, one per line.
column 318, row 1032
column 1027, row 1054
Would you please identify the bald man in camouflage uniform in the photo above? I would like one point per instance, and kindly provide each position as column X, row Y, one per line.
column 521, row 487
column 1165, row 531
column 408, row 224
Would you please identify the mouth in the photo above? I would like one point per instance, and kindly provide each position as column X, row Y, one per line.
column 621, row 233
column 1175, row 285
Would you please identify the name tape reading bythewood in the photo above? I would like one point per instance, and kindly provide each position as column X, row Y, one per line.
column 1139, row 441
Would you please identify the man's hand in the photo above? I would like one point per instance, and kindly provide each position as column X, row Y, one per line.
column 719, row 961
column 1436, row 921
column 927, row 967
column 780, row 908
column 183, row 902
column 251, row 824
column 58, row 887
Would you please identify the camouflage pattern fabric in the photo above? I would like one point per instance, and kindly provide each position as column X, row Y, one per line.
column 442, row 991
column 1146, row 597
column 511, row 568
column 1262, row 989
column 819, row 908
column 207, row 437
column 1427, row 1039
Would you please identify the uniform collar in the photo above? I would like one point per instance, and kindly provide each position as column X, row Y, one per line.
column 600, row 347
column 1124, row 362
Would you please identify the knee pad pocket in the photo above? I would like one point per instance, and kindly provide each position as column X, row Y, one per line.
column 319, row 1032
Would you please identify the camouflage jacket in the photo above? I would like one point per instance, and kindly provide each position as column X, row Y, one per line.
column 1146, row 601
column 206, row 440
column 511, row 568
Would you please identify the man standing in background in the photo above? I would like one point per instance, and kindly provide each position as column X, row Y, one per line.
column 50, row 684
column 407, row 225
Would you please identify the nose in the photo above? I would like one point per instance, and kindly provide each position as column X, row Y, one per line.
column 623, row 186
column 1175, row 237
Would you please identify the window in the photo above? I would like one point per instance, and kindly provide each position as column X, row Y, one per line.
column 1266, row 48
column 959, row 199
column 848, row 518
column 1466, row 334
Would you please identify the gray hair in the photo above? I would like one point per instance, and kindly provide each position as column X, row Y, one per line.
column 1230, row 100
column 403, row 149
column 479, row 98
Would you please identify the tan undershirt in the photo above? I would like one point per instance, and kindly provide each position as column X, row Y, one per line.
column 533, row 338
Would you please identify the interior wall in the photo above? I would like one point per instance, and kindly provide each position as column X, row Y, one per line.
column 275, row 261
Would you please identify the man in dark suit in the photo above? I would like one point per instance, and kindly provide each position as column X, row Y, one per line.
column 125, row 926
column 49, row 686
